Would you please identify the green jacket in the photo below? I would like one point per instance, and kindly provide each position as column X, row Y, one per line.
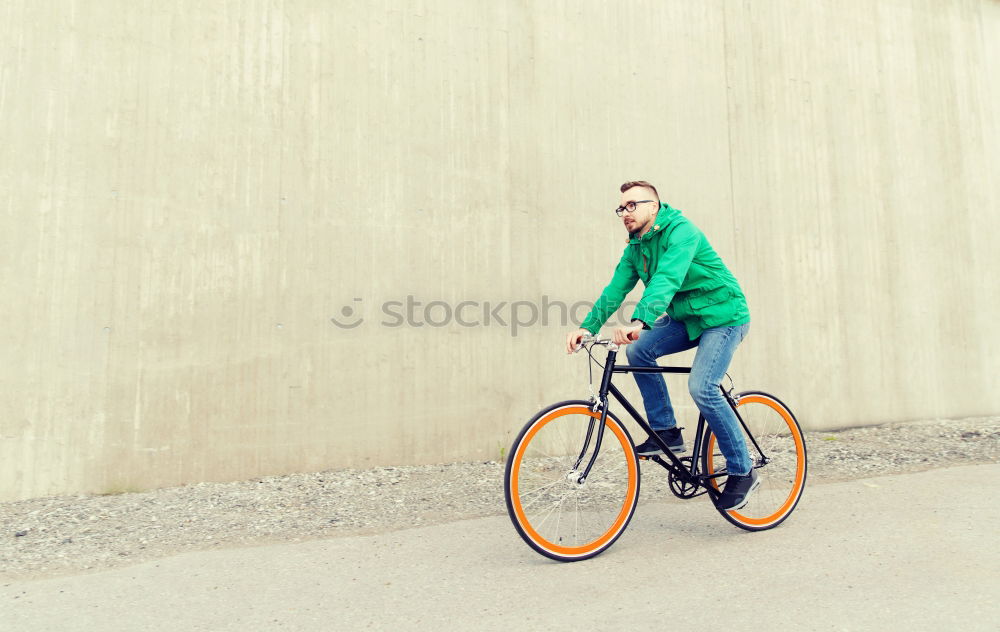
column 683, row 275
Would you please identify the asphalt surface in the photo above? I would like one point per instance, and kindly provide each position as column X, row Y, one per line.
column 907, row 552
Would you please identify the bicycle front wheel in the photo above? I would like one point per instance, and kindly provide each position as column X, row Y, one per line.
column 779, row 458
column 557, row 515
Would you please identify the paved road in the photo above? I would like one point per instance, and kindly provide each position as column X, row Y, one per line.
column 910, row 552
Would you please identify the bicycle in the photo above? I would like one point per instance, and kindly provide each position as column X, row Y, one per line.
column 575, row 459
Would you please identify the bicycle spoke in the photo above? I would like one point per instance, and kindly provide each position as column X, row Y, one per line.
column 559, row 518
column 576, row 530
column 538, row 489
column 606, row 473
column 555, row 505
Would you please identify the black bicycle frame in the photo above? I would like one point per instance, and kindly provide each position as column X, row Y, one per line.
column 673, row 464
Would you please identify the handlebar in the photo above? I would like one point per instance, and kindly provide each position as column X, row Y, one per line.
column 592, row 339
column 595, row 340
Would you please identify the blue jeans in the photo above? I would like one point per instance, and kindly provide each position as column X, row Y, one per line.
column 716, row 347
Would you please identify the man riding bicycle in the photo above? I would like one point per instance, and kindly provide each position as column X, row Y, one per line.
column 691, row 300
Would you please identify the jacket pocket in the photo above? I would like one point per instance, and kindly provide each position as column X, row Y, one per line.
column 710, row 297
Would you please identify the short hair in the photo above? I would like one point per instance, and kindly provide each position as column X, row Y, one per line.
column 639, row 183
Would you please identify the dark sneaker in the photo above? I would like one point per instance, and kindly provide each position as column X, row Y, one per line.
column 671, row 436
column 737, row 491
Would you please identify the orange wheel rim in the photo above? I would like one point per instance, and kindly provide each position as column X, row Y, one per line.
column 800, row 466
column 623, row 514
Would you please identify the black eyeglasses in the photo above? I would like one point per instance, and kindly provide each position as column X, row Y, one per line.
column 630, row 207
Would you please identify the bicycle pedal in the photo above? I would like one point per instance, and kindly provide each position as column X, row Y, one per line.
column 642, row 457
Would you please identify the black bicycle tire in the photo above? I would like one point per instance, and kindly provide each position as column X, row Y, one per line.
column 805, row 473
column 507, row 484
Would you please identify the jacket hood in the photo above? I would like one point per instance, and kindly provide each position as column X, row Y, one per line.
column 665, row 217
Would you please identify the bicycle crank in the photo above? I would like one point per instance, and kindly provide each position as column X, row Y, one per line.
column 683, row 489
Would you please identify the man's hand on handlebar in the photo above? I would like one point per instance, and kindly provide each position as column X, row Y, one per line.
column 626, row 335
column 622, row 336
column 574, row 338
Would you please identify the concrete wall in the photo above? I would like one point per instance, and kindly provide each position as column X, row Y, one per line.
column 190, row 192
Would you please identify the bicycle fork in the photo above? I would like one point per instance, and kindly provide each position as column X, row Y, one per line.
column 602, row 403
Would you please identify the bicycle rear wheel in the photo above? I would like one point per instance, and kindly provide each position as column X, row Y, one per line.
column 780, row 462
column 557, row 516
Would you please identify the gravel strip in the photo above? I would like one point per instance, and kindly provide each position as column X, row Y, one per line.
column 72, row 534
